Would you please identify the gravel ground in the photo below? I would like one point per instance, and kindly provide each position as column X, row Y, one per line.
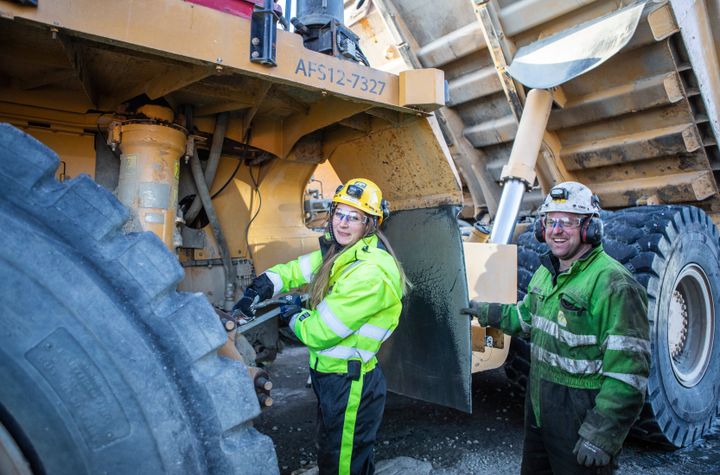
column 448, row 441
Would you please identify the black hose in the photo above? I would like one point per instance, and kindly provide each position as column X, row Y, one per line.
column 221, row 124
column 204, row 195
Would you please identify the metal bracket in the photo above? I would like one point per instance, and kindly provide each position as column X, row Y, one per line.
column 263, row 34
column 501, row 50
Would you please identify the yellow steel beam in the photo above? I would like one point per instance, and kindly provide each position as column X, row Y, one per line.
column 280, row 136
column 195, row 34
column 172, row 78
column 77, row 59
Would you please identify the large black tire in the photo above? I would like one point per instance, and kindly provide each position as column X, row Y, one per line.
column 104, row 367
column 674, row 251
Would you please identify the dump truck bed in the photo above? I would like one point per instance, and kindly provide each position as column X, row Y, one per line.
column 641, row 128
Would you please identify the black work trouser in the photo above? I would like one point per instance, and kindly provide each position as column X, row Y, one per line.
column 349, row 415
column 548, row 449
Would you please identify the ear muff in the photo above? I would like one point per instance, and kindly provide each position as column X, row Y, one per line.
column 539, row 229
column 592, row 231
column 385, row 207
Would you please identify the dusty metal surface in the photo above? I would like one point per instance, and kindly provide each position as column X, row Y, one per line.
column 219, row 42
column 428, row 356
column 644, row 116
column 69, row 67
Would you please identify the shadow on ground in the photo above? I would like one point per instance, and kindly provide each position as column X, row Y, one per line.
column 488, row 440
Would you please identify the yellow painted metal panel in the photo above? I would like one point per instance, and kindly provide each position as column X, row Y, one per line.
column 181, row 30
column 492, row 277
column 77, row 152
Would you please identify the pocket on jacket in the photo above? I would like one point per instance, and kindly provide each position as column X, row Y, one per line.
column 574, row 318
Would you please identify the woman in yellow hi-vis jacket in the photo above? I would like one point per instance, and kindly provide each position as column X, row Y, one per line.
column 356, row 288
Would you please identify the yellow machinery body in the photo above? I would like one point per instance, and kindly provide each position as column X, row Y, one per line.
column 153, row 79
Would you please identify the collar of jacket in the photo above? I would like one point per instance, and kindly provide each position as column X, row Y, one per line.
column 357, row 251
column 552, row 263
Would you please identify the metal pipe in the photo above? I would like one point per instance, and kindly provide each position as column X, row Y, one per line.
column 218, row 138
column 519, row 173
column 204, row 194
column 288, row 12
column 509, row 206
column 320, row 12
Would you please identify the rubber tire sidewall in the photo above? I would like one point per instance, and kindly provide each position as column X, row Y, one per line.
column 694, row 407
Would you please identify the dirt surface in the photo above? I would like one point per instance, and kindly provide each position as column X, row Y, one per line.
column 488, row 440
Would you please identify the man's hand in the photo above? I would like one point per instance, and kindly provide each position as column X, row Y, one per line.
column 590, row 455
column 481, row 310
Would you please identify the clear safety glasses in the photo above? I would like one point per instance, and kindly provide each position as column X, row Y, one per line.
column 351, row 217
column 564, row 222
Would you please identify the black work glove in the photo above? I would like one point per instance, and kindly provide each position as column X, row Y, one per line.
column 290, row 309
column 589, row 454
column 260, row 289
column 486, row 315
column 244, row 306
column 287, row 312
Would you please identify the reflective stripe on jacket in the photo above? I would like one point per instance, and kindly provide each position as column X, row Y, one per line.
column 588, row 329
column 359, row 312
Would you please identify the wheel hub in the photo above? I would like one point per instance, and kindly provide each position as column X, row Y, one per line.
column 690, row 325
column 677, row 325
column 11, row 457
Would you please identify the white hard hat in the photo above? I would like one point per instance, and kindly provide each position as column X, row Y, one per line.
column 571, row 197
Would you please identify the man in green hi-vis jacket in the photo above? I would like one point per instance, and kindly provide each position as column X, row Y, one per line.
column 590, row 350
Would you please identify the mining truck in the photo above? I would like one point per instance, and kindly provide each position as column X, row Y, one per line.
column 156, row 156
column 622, row 96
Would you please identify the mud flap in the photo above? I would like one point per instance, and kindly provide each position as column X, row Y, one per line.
column 429, row 355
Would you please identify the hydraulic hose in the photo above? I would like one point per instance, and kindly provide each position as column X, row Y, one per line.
column 204, row 194
column 221, row 124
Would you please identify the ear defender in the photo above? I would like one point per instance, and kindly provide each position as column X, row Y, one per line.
column 385, row 207
column 539, row 229
column 592, row 231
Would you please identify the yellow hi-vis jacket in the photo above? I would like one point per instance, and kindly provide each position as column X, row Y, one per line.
column 359, row 312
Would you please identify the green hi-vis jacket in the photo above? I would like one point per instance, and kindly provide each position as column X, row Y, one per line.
column 359, row 312
column 588, row 329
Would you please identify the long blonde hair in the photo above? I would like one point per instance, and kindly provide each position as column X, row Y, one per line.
column 321, row 281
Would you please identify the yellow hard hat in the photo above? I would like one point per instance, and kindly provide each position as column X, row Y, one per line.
column 364, row 195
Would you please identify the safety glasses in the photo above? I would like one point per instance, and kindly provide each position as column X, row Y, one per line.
column 350, row 218
column 564, row 222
